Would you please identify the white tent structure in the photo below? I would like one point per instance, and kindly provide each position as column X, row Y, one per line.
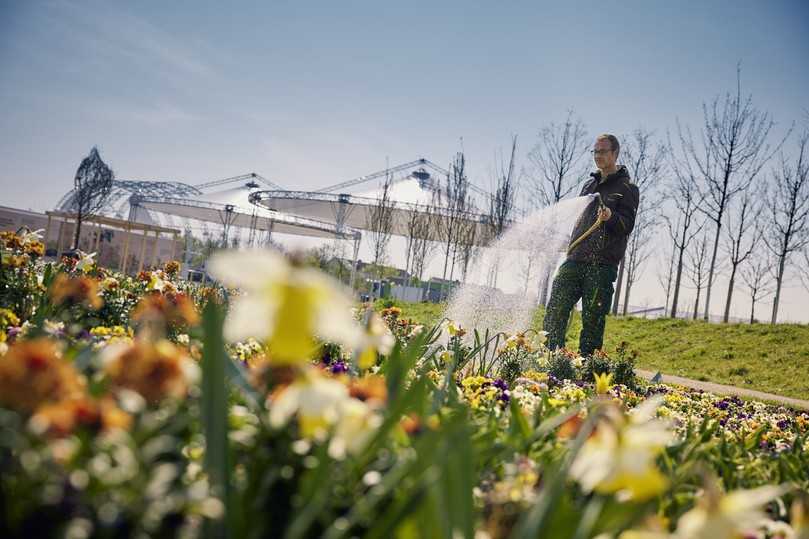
column 415, row 191
column 225, row 203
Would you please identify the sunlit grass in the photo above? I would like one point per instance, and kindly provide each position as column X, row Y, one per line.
column 764, row 357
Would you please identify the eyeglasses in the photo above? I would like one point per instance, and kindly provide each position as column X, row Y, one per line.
column 600, row 152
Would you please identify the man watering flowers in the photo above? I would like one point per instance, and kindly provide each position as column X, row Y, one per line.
column 596, row 248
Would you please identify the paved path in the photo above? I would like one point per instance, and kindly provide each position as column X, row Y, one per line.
column 721, row 389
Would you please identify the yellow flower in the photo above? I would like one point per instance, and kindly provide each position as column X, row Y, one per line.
column 455, row 329
column 603, row 383
column 286, row 306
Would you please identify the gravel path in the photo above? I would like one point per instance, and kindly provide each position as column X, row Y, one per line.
column 722, row 389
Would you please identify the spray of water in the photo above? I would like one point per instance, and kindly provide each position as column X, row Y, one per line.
column 502, row 286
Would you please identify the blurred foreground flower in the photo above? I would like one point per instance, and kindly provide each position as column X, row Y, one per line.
column 323, row 406
column 620, row 455
column 154, row 369
column 62, row 418
column 378, row 340
column 66, row 290
column 284, row 305
column 726, row 516
column 33, row 372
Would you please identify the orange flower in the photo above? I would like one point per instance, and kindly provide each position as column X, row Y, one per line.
column 154, row 369
column 172, row 268
column 172, row 309
column 371, row 389
column 11, row 240
column 33, row 372
column 62, row 418
column 82, row 290
column 35, row 248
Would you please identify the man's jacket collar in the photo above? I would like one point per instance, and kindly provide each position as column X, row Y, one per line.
column 620, row 173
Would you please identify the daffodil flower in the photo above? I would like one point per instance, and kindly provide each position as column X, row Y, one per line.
column 719, row 516
column 86, row 262
column 378, row 340
column 285, row 306
column 620, row 456
column 603, row 382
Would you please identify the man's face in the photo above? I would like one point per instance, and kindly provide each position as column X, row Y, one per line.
column 603, row 155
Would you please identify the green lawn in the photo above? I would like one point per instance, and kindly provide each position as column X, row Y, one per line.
column 768, row 358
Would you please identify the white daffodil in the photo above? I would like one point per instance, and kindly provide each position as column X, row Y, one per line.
column 32, row 236
column 620, row 456
column 86, row 262
column 156, row 282
column 355, row 426
column 378, row 340
column 316, row 401
column 284, row 305
column 718, row 516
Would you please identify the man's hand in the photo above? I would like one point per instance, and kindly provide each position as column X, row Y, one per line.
column 604, row 214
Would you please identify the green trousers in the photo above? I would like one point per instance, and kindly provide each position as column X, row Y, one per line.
column 593, row 284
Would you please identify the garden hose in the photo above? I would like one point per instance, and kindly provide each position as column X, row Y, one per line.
column 592, row 228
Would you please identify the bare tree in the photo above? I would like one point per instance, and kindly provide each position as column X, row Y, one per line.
column 424, row 232
column 501, row 204
column 639, row 249
column 92, row 187
column 556, row 168
column 455, row 201
column 742, row 235
column 685, row 225
column 757, row 275
column 645, row 161
column 732, row 152
column 788, row 206
column 697, row 268
column 666, row 278
column 379, row 223
column 467, row 245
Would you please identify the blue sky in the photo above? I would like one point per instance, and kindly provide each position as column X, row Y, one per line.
column 312, row 93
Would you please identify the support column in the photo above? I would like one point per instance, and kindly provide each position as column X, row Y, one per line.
column 173, row 245
column 142, row 251
column 126, row 248
column 47, row 233
column 59, row 239
column 154, row 248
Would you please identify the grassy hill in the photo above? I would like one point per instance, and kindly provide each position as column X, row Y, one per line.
column 768, row 358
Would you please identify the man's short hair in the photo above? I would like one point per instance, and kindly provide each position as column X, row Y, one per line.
column 616, row 147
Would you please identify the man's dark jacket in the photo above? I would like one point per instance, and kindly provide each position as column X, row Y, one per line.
column 608, row 243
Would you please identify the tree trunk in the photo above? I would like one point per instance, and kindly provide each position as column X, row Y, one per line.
column 778, row 280
column 696, row 305
column 618, row 288
column 677, row 284
column 78, row 230
column 713, row 266
column 626, row 296
column 730, row 294
column 753, row 310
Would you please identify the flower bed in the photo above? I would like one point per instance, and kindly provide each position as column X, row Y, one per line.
column 148, row 406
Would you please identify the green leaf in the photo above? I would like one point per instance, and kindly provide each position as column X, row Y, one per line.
column 214, row 404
